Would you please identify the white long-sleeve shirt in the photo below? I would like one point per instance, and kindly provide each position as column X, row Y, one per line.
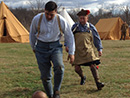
column 50, row 32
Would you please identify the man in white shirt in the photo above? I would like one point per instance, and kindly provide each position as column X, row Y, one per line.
column 47, row 48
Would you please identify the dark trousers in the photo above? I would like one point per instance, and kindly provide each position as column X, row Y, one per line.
column 123, row 35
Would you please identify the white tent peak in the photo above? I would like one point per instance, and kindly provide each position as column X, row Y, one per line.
column 65, row 14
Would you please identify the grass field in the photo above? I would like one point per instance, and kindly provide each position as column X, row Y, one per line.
column 20, row 77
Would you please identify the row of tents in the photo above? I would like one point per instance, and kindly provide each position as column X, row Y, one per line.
column 11, row 30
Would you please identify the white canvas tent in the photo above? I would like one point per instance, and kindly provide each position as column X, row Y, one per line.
column 65, row 14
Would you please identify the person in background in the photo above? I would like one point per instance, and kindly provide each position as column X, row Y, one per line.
column 45, row 33
column 124, row 28
column 88, row 48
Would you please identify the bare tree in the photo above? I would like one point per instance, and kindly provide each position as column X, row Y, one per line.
column 25, row 18
column 37, row 5
column 126, row 13
column 73, row 14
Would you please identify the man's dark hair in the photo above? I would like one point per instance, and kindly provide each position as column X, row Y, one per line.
column 50, row 6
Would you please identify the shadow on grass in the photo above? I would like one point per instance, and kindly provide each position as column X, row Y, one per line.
column 19, row 92
column 76, row 88
column 16, row 92
column 91, row 91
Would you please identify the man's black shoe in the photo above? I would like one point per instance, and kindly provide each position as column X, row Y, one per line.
column 83, row 80
column 100, row 85
column 50, row 97
column 56, row 94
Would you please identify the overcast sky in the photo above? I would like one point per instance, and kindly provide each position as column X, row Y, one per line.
column 87, row 4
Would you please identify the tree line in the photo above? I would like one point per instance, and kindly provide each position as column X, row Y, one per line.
column 25, row 15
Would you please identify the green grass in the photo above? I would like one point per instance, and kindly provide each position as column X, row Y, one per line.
column 20, row 76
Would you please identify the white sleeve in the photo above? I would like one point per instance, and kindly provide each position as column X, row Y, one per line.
column 68, row 35
column 33, row 31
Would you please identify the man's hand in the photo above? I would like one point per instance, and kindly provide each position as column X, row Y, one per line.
column 71, row 58
column 66, row 49
column 100, row 53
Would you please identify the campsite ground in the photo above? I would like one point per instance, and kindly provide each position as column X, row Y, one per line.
column 19, row 74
